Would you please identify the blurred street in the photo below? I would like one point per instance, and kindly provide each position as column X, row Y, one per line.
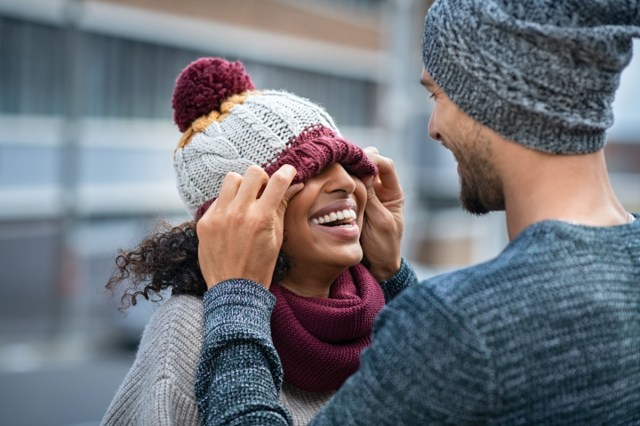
column 66, row 393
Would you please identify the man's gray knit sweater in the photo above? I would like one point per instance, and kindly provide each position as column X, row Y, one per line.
column 547, row 333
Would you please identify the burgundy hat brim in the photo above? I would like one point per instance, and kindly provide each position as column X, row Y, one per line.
column 312, row 151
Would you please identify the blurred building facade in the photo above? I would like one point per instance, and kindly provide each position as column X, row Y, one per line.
column 86, row 131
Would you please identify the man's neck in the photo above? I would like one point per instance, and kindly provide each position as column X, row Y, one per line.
column 571, row 188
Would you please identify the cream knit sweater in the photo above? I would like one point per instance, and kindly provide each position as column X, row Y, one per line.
column 160, row 386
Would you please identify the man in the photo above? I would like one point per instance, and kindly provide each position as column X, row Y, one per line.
column 546, row 333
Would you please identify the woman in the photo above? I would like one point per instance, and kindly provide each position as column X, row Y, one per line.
column 326, row 299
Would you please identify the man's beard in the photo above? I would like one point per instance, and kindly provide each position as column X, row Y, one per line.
column 481, row 190
column 470, row 199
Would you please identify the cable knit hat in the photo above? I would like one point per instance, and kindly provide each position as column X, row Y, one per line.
column 541, row 73
column 228, row 126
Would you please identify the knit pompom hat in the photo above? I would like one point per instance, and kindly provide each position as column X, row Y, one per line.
column 227, row 126
column 541, row 73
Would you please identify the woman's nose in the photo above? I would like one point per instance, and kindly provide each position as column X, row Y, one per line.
column 338, row 179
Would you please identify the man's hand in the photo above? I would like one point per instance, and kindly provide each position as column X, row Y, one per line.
column 240, row 235
column 383, row 221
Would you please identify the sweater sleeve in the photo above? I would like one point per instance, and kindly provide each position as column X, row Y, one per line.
column 239, row 375
column 404, row 278
column 425, row 365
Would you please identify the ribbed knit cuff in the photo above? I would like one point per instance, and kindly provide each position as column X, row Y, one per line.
column 398, row 282
column 238, row 307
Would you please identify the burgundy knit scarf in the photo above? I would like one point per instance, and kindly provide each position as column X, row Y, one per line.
column 319, row 340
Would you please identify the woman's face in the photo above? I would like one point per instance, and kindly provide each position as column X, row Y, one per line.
column 323, row 221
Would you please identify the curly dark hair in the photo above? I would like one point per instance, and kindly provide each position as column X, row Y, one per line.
column 168, row 259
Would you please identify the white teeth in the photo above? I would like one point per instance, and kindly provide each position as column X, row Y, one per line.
column 333, row 216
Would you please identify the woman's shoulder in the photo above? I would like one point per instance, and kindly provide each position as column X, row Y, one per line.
column 173, row 337
column 179, row 314
column 164, row 369
column 184, row 303
column 175, row 328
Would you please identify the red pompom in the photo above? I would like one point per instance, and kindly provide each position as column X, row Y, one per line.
column 203, row 85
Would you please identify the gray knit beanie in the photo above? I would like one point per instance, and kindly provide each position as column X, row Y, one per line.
column 542, row 73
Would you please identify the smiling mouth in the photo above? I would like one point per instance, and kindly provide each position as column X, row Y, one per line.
column 344, row 217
